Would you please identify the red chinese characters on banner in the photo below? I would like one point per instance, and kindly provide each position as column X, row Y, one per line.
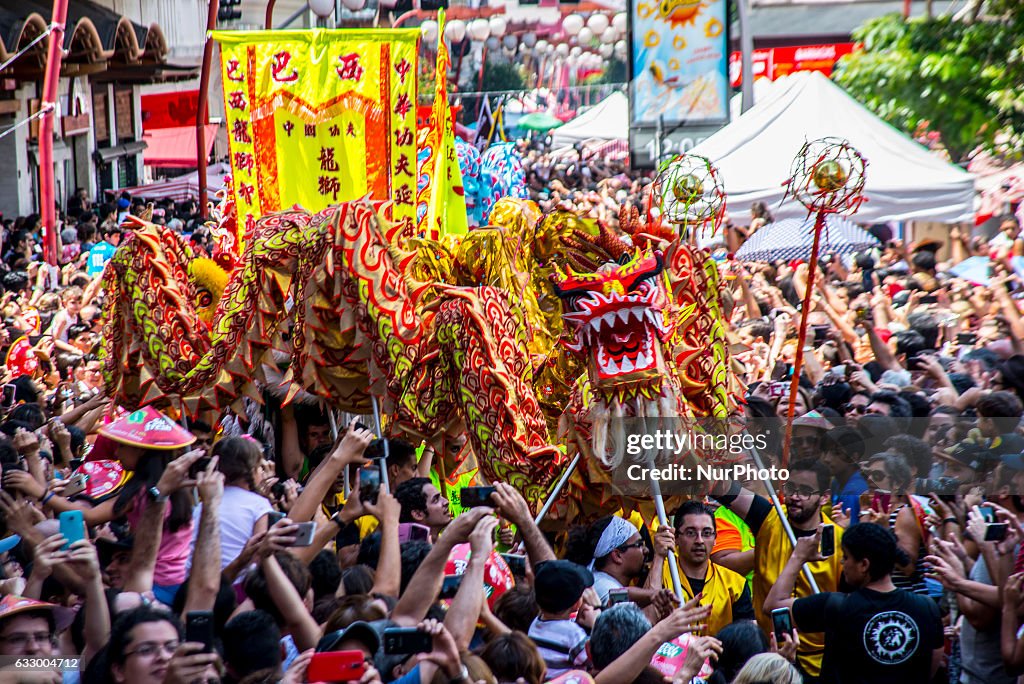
column 774, row 63
column 350, row 69
column 244, row 161
column 403, row 136
column 240, row 132
column 329, row 185
column 402, row 68
column 403, row 166
column 279, row 68
column 236, row 100
column 327, row 160
column 233, row 73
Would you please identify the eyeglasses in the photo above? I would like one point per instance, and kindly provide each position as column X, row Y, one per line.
column 20, row 640
column 639, row 543
column 853, row 408
column 148, row 649
column 790, row 489
column 876, row 475
column 691, row 533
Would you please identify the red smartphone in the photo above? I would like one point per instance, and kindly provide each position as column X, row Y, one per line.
column 336, row 666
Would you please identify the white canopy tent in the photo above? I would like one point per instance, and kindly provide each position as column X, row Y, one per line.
column 904, row 181
column 607, row 120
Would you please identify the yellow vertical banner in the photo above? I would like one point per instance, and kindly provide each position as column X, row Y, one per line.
column 446, row 196
column 319, row 117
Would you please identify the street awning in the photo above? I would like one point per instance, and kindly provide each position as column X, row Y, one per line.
column 175, row 147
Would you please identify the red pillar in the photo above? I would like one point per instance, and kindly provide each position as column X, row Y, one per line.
column 47, row 200
column 204, row 87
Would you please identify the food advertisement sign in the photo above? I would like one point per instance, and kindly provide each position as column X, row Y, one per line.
column 679, row 66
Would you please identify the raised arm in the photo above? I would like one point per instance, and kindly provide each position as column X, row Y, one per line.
column 299, row 621
column 425, row 584
column 780, row 594
column 627, row 667
column 465, row 609
column 388, row 578
column 204, row 579
column 513, row 507
column 349, row 450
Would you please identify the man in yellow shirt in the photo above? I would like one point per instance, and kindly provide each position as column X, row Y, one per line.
column 721, row 588
column 806, row 491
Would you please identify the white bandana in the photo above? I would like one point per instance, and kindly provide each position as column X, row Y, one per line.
column 615, row 535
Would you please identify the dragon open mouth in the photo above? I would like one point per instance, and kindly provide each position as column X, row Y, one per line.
column 618, row 321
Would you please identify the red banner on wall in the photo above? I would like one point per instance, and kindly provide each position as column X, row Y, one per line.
column 773, row 63
column 170, row 110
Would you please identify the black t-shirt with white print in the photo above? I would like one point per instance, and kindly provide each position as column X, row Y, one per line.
column 873, row 637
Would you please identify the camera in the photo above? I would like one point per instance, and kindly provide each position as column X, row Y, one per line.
column 943, row 486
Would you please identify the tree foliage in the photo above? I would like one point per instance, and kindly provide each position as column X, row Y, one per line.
column 959, row 76
column 501, row 76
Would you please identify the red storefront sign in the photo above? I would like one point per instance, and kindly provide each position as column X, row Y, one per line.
column 170, row 110
column 773, row 63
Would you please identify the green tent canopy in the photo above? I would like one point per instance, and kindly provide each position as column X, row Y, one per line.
column 538, row 121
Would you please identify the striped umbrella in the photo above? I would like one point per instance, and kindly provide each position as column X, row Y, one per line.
column 791, row 239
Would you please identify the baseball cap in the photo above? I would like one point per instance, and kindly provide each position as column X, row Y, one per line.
column 358, row 630
column 123, row 203
column 560, row 583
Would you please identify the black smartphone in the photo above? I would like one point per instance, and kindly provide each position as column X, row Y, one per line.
column 8, row 398
column 967, row 338
column 828, row 541
column 472, row 497
column 616, row 596
column 516, row 563
column 369, row 484
column 782, row 623
column 996, row 532
column 405, row 640
column 988, row 514
column 274, row 516
column 199, row 628
column 929, row 299
column 450, row 586
column 198, row 467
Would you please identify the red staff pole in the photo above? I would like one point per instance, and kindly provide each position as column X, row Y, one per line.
column 204, row 87
column 798, row 361
column 47, row 191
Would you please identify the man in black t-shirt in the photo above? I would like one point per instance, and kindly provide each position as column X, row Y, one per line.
column 877, row 634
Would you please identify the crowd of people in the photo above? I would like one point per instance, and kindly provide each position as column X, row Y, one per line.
column 193, row 556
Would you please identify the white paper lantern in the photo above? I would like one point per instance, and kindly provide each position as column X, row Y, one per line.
column 609, row 36
column 493, row 43
column 498, row 26
column 541, row 45
column 455, row 30
column 620, row 47
column 428, row 30
column 576, row 51
column 550, row 49
column 479, row 29
column 619, row 22
column 354, row 5
column 562, row 50
column 530, row 39
column 598, row 23
column 606, row 50
column 572, row 24
column 509, row 42
column 585, row 36
column 321, row 8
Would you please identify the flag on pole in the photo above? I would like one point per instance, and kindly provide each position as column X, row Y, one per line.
column 320, row 117
column 446, row 196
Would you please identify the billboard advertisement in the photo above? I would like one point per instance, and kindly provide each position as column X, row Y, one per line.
column 679, row 72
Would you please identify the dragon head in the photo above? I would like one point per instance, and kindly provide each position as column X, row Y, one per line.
column 616, row 316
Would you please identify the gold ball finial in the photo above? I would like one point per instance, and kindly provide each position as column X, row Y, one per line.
column 688, row 188
column 829, row 175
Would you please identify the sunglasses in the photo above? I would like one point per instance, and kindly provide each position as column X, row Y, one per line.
column 875, row 475
column 635, row 545
column 854, row 408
